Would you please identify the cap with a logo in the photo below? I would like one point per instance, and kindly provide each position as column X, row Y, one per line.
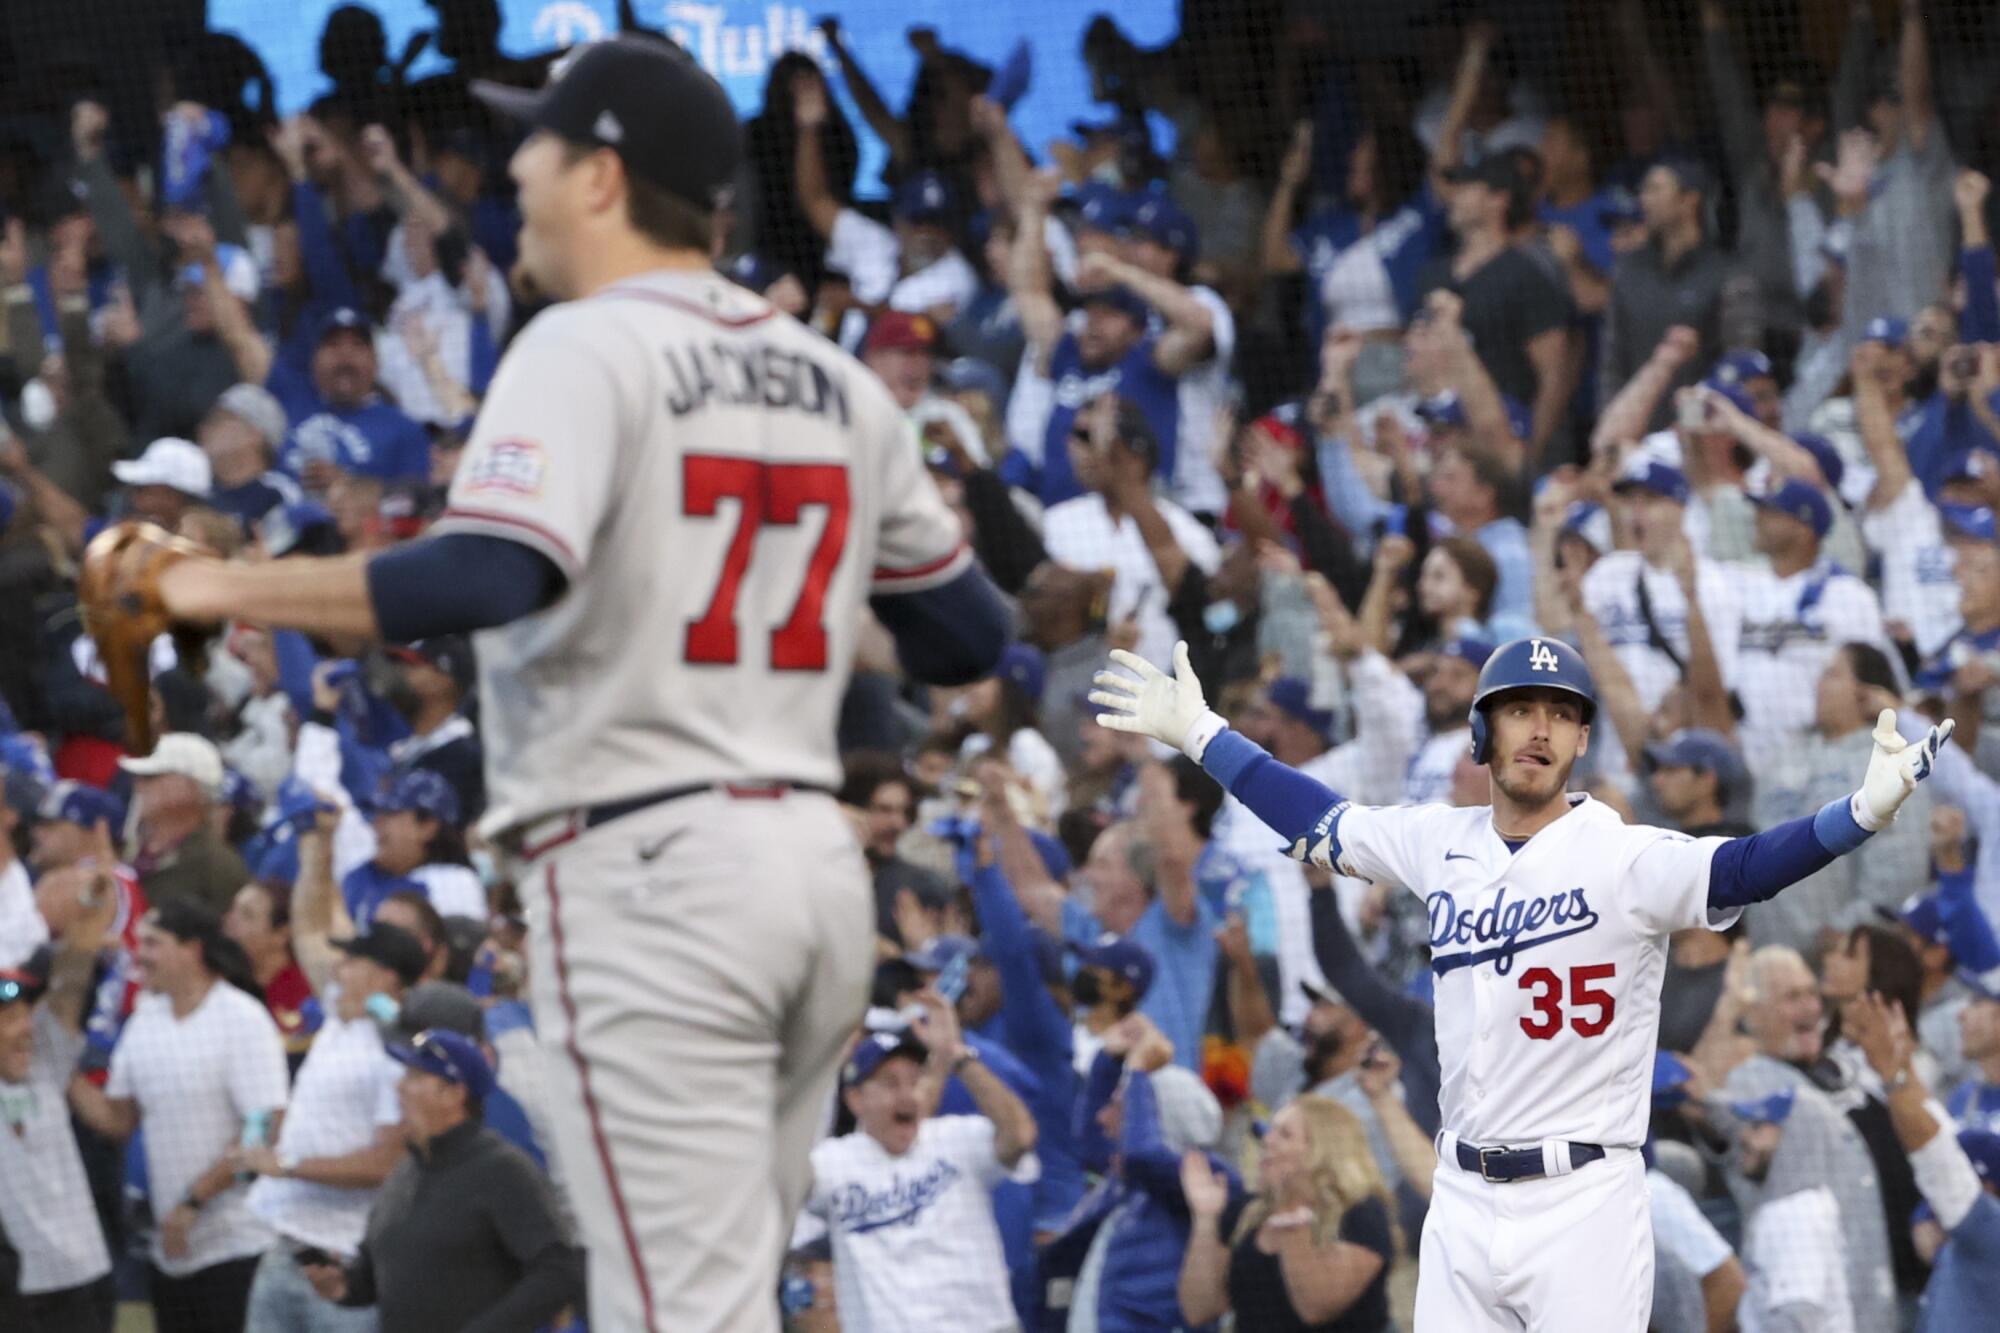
column 1732, row 389
column 1923, row 915
column 1473, row 652
column 169, row 461
column 1160, row 220
column 1967, row 465
column 1293, row 697
column 1772, row 1110
column 1445, row 409
column 239, row 272
column 72, row 802
column 449, row 653
column 451, row 1056
column 900, row 331
column 1982, row 1148
column 258, row 408
column 648, row 101
column 1101, row 207
column 1973, row 521
column 1656, row 478
column 343, row 319
column 1801, row 500
column 1887, row 330
column 1122, row 299
column 1123, row 956
column 1702, row 750
column 1740, row 366
column 421, row 791
column 391, row 946
column 1024, row 667
column 878, row 1049
column 1588, row 521
column 20, row 983
column 184, row 753
column 1831, row 465
column 923, row 198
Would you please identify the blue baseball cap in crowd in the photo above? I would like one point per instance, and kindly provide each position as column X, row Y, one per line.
column 1160, row 220
column 1122, row 299
column 420, row 791
column 451, row 1056
column 80, row 803
column 1887, row 330
column 923, row 198
column 1982, row 1147
column 1831, row 465
column 1703, row 750
column 1923, row 914
column 1293, row 697
column 1473, row 652
column 755, row 272
column 1657, row 478
column 1101, row 207
column 343, row 319
column 942, row 952
column 878, row 1049
column 968, row 374
column 1733, row 390
column 1444, row 409
column 1741, row 366
column 1800, row 500
column 1023, row 666
column 1772, row 1110
column 1670, row 1079
column 1974, row 521
column 1122, row 956
column 1588, row 521
column 1967, row 465
column 1620, row 207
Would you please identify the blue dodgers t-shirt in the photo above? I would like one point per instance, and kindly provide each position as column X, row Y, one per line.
column 374, row 440
column 1184, row 959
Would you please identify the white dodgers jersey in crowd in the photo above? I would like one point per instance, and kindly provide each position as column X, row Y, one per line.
column 723, row 490
column 1547, row 962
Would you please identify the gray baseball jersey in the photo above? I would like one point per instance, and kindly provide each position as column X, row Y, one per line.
column 723, row 490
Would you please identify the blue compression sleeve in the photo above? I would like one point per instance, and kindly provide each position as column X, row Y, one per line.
column 1750, row 870
column 458, row 582
column 1276, row 793
column 952, row 634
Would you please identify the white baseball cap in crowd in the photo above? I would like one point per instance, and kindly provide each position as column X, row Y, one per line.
column 184, row 753
column 239, row 272
column 258, row 407
column 168, row 461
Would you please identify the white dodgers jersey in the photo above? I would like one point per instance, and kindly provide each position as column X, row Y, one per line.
column 722, row 490
column 1547, row 962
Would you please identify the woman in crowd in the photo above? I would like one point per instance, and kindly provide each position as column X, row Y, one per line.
column 1311, row 1249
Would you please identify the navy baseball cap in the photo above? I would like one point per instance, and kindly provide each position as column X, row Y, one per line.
column 1800, row 500
column 420, row 791
column 1923, row 913
column 1123, row 956
column 1160, row 220
column 755, row 272
column 1733, row 390
column 1967, row 465
column 343, row 319
column 1741, row 365
column 1658, row 478
column 1974, row 521
column 1887, row 330
column 1983, row 1148
column 942, row 952
column 1701, row 749
column 1444, row 409
column 924, row 197
column 648, row 101
column 451, row 1056
column 1293, row 697
column 1473, row 652
column 968, row 374
column 1772, row 1110
column 878, row 1049
column 1023, row 666
column 79, row 803
column 1587, row 521
column 1102, row 207
column 449, row 653
column 1831, row 465
column 20, row 983
column 391, row 946
column 1122, row 299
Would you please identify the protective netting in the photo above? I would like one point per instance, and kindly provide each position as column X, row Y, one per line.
column 1343, row 342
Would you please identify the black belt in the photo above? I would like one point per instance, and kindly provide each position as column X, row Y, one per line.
column 1505, row 1165
column 594, row 815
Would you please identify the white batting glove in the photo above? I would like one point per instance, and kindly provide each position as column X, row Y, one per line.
column 1170, row 709
column 1894, row 770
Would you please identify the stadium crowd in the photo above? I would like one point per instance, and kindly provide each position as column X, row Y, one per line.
column 1383, row 362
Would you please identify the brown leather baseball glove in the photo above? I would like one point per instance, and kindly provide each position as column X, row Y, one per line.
column 118, row 589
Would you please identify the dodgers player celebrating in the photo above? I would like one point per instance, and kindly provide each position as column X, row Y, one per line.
column 671, row 511
column 1549, row 919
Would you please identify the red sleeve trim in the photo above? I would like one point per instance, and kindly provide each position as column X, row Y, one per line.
column 919, row 571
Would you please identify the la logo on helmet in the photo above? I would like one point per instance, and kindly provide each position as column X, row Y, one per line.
column 1541, row 657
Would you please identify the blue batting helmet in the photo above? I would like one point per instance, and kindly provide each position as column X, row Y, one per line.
column 1528, row 664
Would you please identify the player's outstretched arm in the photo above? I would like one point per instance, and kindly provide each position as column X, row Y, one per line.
column 1750, row 870
column 1171, row 709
